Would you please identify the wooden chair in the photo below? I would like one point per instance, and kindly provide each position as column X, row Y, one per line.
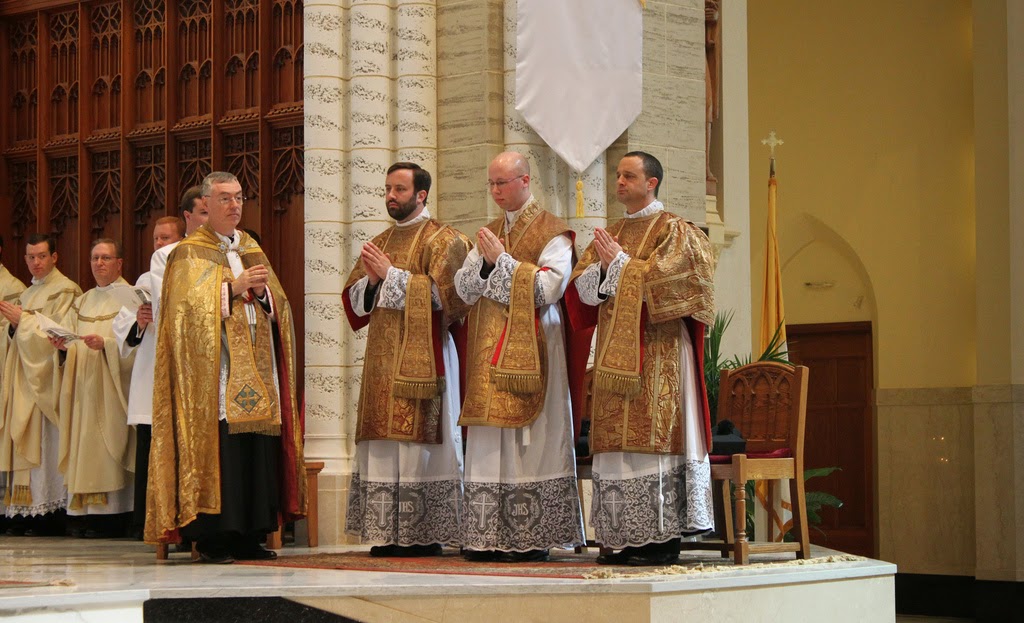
column 767, row 402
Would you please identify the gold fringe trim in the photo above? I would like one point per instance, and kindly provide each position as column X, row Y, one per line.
column 628, row 385
column 19, row 495
column 517, row 383
column 262, row 427
column 80, row 500
column 417, row 390
column 579, row 197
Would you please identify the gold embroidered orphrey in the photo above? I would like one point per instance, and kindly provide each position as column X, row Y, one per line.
column 635, row 402
column 510, row 392
column 400, row 395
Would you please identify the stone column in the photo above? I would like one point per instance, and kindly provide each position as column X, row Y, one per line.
column 999, row 195
column 370, row 100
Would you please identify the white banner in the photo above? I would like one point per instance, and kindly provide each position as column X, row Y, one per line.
column 579, row 73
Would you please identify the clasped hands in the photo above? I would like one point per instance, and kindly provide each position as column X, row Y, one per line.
column 375, row 262
column 11, row 312
column 490, row 246
column 607, row 247
column 255, row 278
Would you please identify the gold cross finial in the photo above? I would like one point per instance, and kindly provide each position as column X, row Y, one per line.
column 772, row 142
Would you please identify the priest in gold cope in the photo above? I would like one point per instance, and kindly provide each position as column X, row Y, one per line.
column 647, row 283
column 226, row 460
column 406, row 492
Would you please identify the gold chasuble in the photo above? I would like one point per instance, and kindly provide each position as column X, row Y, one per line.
column 403, row 370
column 670, row 276
column 506, row 368
column 184, row 464
column 97, row 447
column 31, row 383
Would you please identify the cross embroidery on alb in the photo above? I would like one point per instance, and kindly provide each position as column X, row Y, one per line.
column 382, row 503
column 611, row 504
column 482, row 508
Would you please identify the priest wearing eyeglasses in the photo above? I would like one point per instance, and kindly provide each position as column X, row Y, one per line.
column 226, row 464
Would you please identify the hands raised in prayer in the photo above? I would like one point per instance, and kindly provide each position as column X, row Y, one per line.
column 607, row 246
column 375, row 262
column 255, row 277
column 490, row 246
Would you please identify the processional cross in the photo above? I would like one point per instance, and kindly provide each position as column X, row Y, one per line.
column 772, row 142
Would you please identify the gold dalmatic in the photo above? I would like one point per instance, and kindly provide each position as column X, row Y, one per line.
column 400, row 394
column 635, row 403
column 506, row 373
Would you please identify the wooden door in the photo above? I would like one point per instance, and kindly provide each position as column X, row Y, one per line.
column 840, row 428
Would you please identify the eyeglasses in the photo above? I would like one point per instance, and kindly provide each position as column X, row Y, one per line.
column 229, row 199
column 501, row 183
column 103, row 258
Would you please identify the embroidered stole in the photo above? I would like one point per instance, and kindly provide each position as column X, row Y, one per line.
column 506, row 374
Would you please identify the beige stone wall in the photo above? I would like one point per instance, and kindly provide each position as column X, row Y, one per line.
column 433, row 82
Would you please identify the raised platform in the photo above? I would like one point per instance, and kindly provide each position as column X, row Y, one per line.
column 109, row 581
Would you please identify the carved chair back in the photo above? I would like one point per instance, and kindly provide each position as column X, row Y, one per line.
column 767, row 402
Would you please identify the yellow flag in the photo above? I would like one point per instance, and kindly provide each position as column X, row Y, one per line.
column 777, row 511
column 773, row 312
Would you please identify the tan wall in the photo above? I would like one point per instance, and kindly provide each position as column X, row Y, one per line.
column 874, row 102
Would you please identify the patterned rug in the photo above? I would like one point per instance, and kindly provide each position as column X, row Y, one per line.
column 569, row 566
column 560, row 565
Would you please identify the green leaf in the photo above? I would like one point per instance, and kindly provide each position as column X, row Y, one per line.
column 819, row 471
column 817, row 499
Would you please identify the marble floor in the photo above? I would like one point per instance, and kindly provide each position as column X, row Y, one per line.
column 70, row 573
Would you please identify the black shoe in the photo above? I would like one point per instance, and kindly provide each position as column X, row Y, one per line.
column 214, row 552
column 616, row 558
column 16, row 531
column 653, row 559
column 250, row 549
column 533, row 555
column 417, row 551
column 384, row 551
column 216, row 559
column 485, row 555
column 254, row 552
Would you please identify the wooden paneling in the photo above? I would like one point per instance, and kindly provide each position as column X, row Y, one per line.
column 110, row 110
column 839, row 430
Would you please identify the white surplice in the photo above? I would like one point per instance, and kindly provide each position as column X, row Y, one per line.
column 520, row 483
column 140, row 393
column 406, row 493
column 650, row 498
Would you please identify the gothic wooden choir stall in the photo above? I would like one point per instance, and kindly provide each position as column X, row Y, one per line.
column 110, row 110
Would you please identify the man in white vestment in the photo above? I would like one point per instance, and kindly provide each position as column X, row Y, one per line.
column 10, row 289
column 29, row 437
column 134, row 340
column 406, row 492
column 521, row 496
column 97, row 447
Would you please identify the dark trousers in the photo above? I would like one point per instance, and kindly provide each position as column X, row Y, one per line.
column 249, row 494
